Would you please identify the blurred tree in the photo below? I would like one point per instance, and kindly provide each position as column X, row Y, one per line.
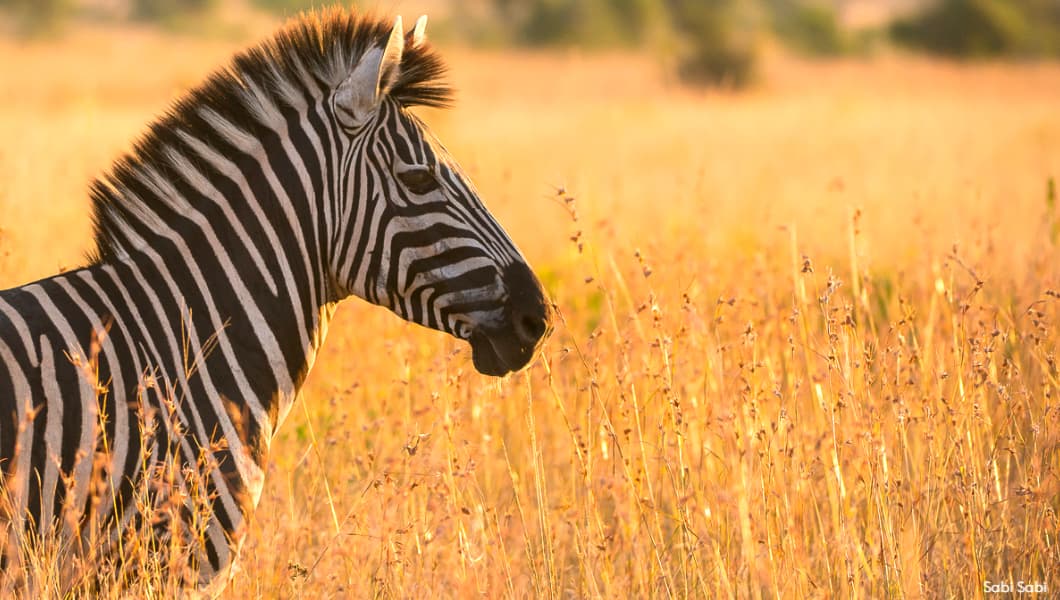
column 716, row 45
column 582, row 22
column 38, row 17
column 567, row 22
column 168, row 10
column 642, row 21
column 971, row 28
column 719, row 45
column 1044, row 19
column 290, row 7
column 808, row 26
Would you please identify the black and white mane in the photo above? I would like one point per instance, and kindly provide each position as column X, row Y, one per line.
column 310, row 57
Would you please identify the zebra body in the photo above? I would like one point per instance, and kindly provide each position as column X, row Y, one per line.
column 292, row 180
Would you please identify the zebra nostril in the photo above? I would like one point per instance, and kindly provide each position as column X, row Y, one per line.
column 530, row 328
column 530, row 314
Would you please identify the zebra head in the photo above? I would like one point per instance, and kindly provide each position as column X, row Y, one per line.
column 412, row 234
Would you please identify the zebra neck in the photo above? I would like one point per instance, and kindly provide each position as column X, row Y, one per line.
column 219, row 336
column 241, row 201
column 286, row 402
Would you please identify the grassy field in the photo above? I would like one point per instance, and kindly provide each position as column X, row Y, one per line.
column 807, row 339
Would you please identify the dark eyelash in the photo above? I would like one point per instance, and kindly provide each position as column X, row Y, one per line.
column 419, row 181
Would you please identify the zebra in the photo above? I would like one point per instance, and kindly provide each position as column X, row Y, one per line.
column 293, row 178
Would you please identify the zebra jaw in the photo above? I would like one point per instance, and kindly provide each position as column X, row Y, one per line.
column 497, row 354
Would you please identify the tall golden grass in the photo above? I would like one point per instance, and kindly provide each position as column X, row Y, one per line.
column 806, row 343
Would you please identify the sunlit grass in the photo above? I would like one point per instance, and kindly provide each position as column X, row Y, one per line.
column 806, row 344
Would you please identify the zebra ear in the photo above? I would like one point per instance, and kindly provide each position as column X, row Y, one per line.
column 372, row 78
column 419, row 33
column 390, row 70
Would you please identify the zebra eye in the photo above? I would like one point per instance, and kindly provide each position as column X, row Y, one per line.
column 419, row 181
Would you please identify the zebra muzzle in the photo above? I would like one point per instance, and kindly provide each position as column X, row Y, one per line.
column 509, row 347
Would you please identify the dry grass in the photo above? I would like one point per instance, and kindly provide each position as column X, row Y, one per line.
column 807, row 345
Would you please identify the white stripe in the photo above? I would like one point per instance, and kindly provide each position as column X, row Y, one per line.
column 23, row 331
column 119, row 446
column 252, row 147
column 175, row 360
column 53, row 435
column 250, row 473
column 202, row 185
column 87, row 398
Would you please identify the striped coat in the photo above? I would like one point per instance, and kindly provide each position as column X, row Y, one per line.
column 139, row 394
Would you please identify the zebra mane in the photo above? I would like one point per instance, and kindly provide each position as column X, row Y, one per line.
column 318, row 50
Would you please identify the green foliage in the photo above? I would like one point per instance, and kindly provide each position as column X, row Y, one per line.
column 1043, row 17
column 171, row 10
column 715, row 41
column 710, row 48
column 38, row 17
column 583, row 22
column 720, row 46
column 984, row 28
column 809, row 27
column 718, row 64
column 289, row 7
column 881, row 288
column 568, row 21
column 1052, row 217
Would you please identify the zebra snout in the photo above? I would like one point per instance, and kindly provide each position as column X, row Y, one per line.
column 530, row 315
column 529, row 328
column 508, row 346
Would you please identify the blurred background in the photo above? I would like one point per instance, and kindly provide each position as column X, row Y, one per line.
column 714, row 42
column 807, row 256
column 777, row 112
column 713, row 128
